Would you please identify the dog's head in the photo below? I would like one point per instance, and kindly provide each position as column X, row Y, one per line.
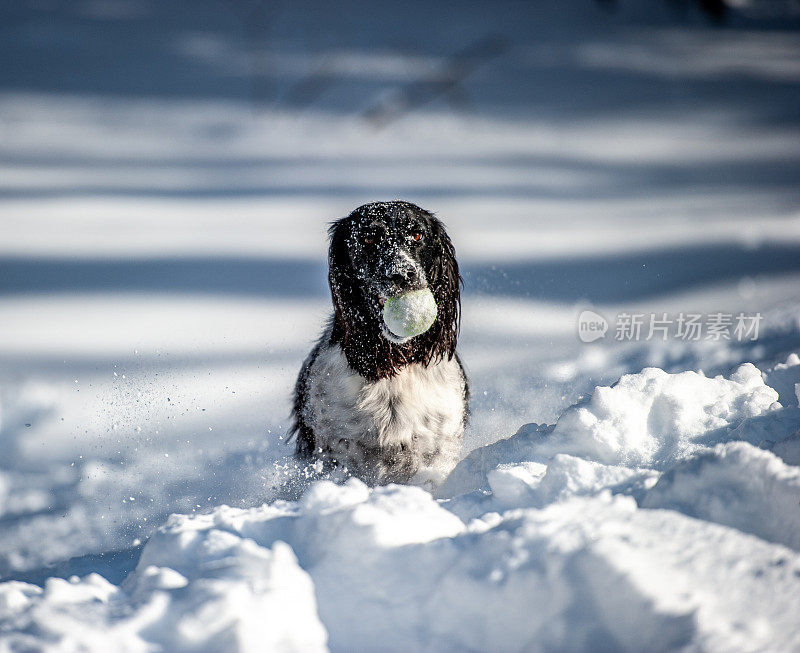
column 382, row 250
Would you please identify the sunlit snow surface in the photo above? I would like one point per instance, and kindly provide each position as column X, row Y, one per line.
column 166, row 179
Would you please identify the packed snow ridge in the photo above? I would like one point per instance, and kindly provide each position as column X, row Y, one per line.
column 663, row 513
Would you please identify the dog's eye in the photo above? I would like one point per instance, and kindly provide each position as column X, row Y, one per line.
column 416, row 236
column 369, row 240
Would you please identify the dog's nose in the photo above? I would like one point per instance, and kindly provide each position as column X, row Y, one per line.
column 409, row 275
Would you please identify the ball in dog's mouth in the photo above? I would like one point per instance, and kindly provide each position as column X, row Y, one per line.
column 409, row 314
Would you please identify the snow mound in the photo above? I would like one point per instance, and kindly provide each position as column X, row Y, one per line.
column 565, row 476
column 229, row 581
column 632, row 524
column 646, row 420
column 653, row 417
column 230, row 595
column 738, row 485
column 472, row 472
column 785, row 378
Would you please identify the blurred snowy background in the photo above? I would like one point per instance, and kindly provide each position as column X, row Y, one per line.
column 168, row 169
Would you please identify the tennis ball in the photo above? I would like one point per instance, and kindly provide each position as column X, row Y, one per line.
column 410, row 314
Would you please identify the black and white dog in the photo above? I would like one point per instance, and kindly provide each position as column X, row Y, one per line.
column 385, row 408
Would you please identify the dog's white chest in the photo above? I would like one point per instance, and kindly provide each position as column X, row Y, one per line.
column 416, row 415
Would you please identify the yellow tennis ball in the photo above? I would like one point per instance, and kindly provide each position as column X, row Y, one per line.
column 410, row 314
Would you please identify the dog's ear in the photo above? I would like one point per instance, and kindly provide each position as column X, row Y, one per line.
column 340, row 273
column 446, row 283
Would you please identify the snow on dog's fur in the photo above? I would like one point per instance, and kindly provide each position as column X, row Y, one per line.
column 386, row 408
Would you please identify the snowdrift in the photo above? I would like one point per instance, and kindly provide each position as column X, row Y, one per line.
column 652, row 517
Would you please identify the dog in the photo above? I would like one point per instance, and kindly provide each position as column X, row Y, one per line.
column 381, row 407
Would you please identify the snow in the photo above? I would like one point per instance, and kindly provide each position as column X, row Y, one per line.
column 785, row 378
column 738, row 485
column 162, row 276
column 238, row 596
column 522, row 577
column 649, row 420
column 653, row 417
column 701, row 543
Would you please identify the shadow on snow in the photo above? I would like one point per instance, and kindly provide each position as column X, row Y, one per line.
column 601, row 279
